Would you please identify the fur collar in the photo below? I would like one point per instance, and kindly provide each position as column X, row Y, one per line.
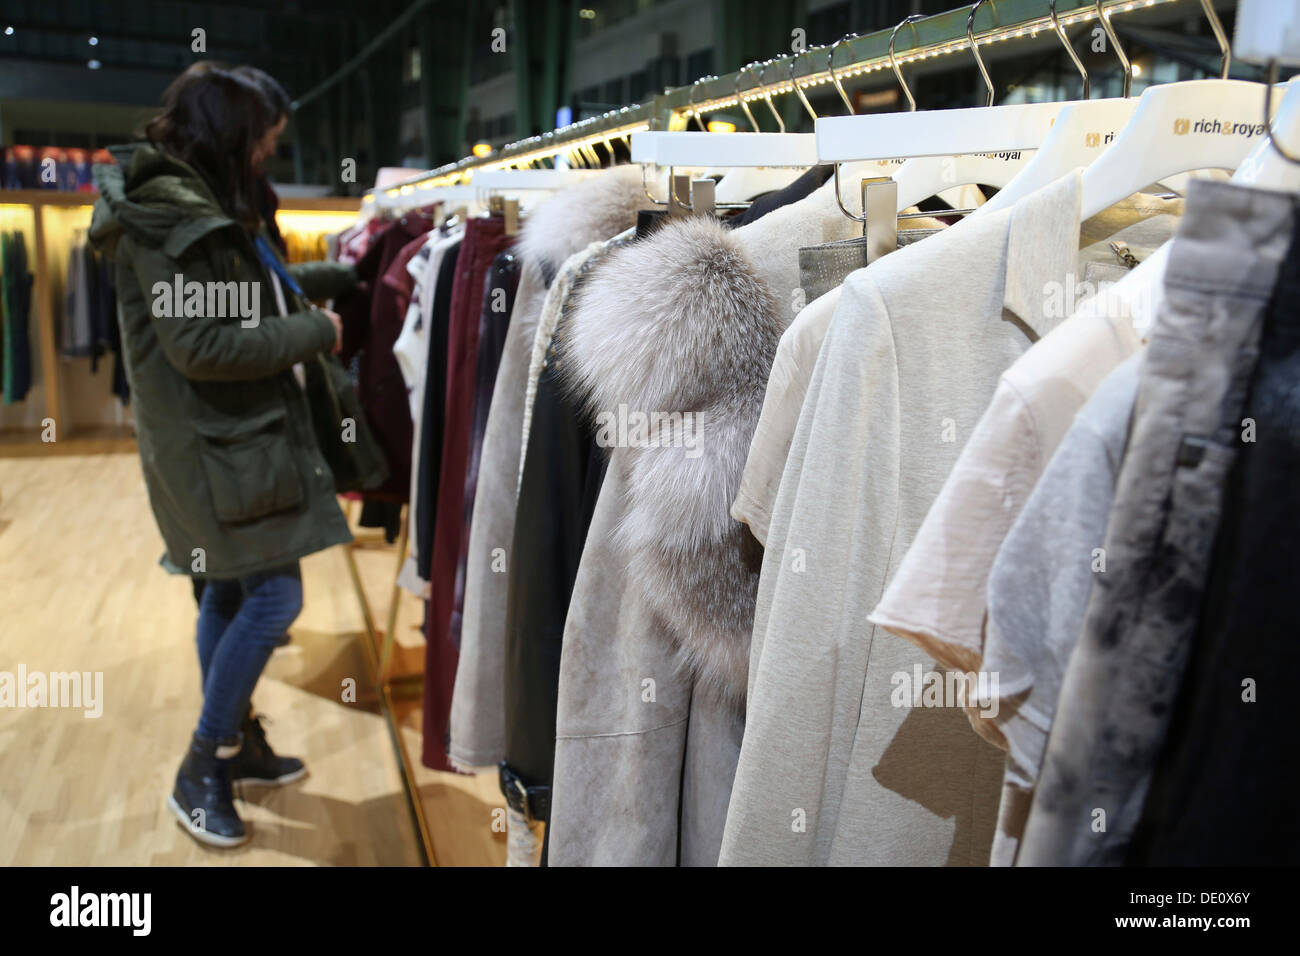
column 594, row 209
column 682, row 322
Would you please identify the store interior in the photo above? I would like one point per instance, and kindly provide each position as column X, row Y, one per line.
column 536, row 651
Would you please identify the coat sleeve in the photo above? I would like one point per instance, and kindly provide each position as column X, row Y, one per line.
column 210, row 348
column 324, row 280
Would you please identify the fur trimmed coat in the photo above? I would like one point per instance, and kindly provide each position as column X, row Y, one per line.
column 566, row 223
column 655, row 663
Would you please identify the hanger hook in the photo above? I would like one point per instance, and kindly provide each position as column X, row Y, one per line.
column 911, row 100
column 798, row 90
column 830, row 66
column 1104, row 17
column 1225, row 51
column 852, row 215
column 1269, row 81
column 646, row 186
column 672, row 191
column 767, row 94
column 1069, row 48
column 974, row 48
column 743, row 105
column 690, row 102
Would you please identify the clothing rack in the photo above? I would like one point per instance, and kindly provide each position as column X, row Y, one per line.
column 1028, row 22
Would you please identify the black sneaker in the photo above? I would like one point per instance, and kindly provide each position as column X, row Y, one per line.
column 257, row 764
column 203, row 799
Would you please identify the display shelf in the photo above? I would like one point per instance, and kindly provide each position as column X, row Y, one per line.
column 51, row 219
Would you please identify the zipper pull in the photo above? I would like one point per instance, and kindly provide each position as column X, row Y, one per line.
column 1123, row 254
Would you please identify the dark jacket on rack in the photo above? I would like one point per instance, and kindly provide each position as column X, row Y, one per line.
column 234, row 473
column 371, row 324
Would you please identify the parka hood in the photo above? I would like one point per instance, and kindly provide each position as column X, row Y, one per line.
column 156, row 199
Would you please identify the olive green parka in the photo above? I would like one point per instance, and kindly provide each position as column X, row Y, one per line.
column 234, row 473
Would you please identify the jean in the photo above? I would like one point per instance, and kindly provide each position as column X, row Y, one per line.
column 240, row 623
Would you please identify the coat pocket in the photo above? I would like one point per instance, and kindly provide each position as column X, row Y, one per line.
column 250, row 467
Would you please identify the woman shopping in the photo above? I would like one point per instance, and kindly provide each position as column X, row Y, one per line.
column 213, row 324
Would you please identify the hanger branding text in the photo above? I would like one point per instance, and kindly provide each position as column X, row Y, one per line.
column 1220, row 127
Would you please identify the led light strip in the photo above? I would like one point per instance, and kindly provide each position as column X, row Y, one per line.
column 636, row 118
column 1029, row 28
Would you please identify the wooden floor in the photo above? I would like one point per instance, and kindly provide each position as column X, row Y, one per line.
column 81, row 590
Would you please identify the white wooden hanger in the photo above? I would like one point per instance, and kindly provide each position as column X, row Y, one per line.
column 921, row 177
column 1267, row 167
column 973, row 134
column 755, row 162
column 529, row 180
column 984, row 129
column 727, row 150
column 413, row 196
column 1142, row 290
column 1177, row 128
column 1082, row 131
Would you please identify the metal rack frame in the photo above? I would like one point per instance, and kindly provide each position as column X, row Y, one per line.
column 925, row 38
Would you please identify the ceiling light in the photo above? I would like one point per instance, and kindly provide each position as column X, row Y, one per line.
column 482, row 149
column 9, row 31
column 94, row 41
column 94, row 64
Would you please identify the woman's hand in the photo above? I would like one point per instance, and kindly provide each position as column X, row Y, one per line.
column 338, row 330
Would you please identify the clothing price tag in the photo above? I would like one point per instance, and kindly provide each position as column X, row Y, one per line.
column 1268, row 30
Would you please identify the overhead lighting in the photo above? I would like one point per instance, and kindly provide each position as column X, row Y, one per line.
column 94, row 41
column 9, row 31
column 94, row 64
column 721, row 126
column 1137, row 69
column 587, row 13
column 482, row 149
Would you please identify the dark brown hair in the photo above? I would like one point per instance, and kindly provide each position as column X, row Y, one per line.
column 212, row 117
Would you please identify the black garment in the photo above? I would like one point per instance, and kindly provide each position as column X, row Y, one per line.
column 103, row 307
column 648, row 220
column 563, row 471
column 801, row 188
column 498, row 306
column 1223, row 789
column 15, row 344
column 433, row 413
column 382, row 514
column 108, row 334
column 499, row 289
